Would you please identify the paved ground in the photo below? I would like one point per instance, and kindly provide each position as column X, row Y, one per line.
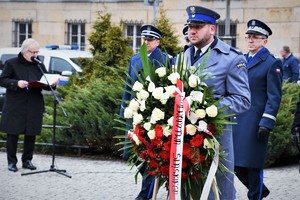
column 110, row 180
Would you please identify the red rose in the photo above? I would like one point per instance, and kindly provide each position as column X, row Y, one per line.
column 167, row 146
column 154, row 164
column 159, row 130
column 164, row 170
column 197, row 141
column 165, row 155
column 211, row 128
column 157, row 142
column 184, row 175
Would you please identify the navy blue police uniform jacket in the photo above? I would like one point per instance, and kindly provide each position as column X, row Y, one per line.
column 230, row 82
column 265, row 80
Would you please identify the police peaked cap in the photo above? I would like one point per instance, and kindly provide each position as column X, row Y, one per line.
column 150, row 31
column 199, row 15
column 258, row 27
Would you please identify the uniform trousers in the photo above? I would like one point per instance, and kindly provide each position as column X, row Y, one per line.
column 252, row 178
column 11, row 146
column 147, row 183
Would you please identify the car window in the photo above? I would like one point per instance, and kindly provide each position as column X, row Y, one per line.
column 58, row 65
column 6, row 57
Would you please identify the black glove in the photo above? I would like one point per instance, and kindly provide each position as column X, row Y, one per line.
column 263, row 133
column 296, row 135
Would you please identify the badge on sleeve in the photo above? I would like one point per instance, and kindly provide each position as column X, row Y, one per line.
column 278, row 71
column 241, row 64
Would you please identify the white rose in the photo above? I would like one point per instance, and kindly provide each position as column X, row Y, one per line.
column 151, row 134
column 194, row 81
column 202, row 125
column 137, row 86
column 196, row 96
column 128, row 113
column 164, row 98
column 200, row 113
column 212, row 111
column 134, row 105
column 170, row 90
column 170, row 121
column 158, row 92
column 191, row 129
column 167, row 131
column 136, row 139
column 173, row 77
column 151, row 86
column 193, row 117
column 156, row 115
column 142, row 105
column 161, row 71
column 143, row 94
column 206, row 144
column 147, row 126
column 137, row 118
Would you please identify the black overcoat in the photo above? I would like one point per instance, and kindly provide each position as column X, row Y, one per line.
column 23, row 107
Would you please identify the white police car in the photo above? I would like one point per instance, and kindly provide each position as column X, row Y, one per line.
column 56, row 59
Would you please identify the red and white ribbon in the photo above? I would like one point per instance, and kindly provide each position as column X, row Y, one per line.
column 181, row 107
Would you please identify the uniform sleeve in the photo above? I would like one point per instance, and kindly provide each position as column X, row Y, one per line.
column 237, row 87
column 274, row 90
column 5, row 78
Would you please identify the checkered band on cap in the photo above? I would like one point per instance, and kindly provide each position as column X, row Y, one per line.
column 150, row 33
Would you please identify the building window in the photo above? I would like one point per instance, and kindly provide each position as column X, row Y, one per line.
column 22, row 31
column 133, row 31
column 221, row 31
column 76, row 34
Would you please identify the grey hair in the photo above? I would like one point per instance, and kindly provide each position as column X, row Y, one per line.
column 27, row 43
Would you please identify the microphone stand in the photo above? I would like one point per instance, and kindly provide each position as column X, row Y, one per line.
column 55, row 102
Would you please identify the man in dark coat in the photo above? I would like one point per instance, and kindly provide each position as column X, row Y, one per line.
column 24, row 105
column 290, row 65
column 251, row 133
column 151, row 36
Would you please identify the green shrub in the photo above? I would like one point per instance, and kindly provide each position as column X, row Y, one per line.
column 280, row 138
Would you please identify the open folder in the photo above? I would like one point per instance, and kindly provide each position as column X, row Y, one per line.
column 43, row 81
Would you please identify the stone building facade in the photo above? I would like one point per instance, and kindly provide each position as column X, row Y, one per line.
column 66, row 22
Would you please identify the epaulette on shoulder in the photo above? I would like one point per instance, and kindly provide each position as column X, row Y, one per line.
column 236, row 50
column 166, row 54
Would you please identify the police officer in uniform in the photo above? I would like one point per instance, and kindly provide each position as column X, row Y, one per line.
column 253, row 127
column 151, row 36
column 230, row 80
column 186, row 37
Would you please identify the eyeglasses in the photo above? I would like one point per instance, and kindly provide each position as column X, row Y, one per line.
column 149, row 39
column 33, row 52
column 254, row 37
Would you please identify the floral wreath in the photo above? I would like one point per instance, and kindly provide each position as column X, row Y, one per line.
column 151, row 111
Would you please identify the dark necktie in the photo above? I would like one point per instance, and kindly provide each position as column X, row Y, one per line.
column 197, row 54
column 249, row 58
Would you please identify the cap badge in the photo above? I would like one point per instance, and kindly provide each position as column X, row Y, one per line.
column 193, row 10
column 252, row 24
column 149, row 28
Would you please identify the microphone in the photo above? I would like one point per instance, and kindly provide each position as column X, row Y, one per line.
column 34, row 59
